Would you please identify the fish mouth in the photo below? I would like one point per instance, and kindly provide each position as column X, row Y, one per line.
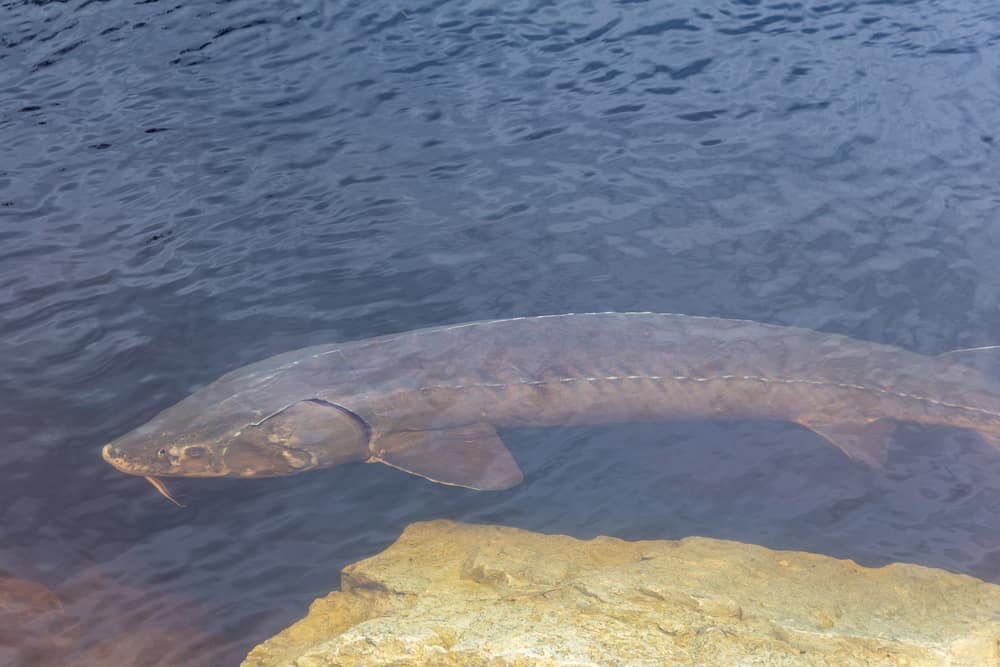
column 114, row 457
column 123, row 463
column 173, row 467
column 117, row 460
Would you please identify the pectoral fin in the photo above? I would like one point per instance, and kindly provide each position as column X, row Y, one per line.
column 867, row 442
column 471, row 456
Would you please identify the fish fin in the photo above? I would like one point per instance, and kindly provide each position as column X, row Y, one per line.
column 866, row 442
column 472, row 456
column 990, row 439
column 984, row 359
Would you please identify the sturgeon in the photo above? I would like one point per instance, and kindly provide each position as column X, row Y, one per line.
column 429, row 401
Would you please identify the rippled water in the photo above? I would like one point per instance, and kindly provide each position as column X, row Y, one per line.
column 188, row 187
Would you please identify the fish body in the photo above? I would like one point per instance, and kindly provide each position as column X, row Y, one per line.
column 429, row 401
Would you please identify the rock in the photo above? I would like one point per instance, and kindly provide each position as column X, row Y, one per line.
column 453, row 594
column 93, row 623
column 126, row 626
column 34, row 627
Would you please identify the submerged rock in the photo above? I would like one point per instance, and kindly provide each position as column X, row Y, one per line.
column 95, row 622
column 453, row 594
column 33, row 624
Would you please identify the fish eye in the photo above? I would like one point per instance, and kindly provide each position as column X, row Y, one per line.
column 162, row 453
column 195, row 452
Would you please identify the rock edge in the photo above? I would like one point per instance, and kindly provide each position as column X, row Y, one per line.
column 454, row 594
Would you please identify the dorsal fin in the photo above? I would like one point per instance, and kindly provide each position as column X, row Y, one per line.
column 472, row 456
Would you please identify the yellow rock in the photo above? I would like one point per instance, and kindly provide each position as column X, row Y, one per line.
column 453, row 594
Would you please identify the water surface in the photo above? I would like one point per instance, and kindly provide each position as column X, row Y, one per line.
column 188, row 187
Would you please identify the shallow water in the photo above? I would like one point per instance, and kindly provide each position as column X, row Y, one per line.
column 188, row 187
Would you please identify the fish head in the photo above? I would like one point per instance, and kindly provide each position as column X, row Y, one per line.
column 198, row 438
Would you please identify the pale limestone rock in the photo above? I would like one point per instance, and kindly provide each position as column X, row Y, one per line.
column 453, row 594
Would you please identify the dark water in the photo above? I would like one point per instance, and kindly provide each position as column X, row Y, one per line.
column 187, row 187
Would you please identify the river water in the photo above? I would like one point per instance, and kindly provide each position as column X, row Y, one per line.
column 186, row 187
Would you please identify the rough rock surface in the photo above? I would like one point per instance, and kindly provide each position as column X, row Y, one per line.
column 453, row 594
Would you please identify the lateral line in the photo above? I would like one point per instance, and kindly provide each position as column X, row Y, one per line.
column 728, row 378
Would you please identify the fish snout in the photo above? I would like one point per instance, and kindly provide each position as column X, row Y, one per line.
column 121, row 461
column 112, row 455
column 192, row 460
column 138, row 463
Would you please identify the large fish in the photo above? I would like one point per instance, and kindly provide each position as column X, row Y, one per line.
column 429, row 401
